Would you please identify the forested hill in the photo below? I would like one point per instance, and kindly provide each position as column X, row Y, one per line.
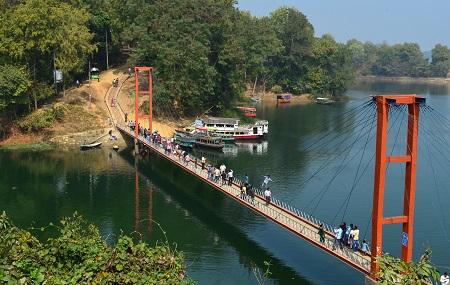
column 404, row 59
column 204, row 51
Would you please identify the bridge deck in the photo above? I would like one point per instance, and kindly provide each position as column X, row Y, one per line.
column 288, row 217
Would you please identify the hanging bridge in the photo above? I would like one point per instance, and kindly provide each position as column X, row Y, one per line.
column 300, row 222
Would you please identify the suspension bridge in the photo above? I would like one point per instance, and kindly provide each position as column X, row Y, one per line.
column 300, row 222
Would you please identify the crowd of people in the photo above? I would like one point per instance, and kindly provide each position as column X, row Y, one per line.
column 348, row 236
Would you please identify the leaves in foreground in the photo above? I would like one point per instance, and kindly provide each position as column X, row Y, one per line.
column 77, row 254
column 393, row 270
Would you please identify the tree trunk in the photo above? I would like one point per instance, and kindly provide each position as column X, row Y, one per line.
column 254, row 86
column 34, row 83
column 264, row 87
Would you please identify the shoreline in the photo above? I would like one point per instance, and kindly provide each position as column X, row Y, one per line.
column 405, row 79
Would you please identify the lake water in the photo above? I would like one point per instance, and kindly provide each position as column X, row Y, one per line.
column 223, row 242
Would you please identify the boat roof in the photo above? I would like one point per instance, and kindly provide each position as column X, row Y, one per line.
column 247, row 108
column 217, row 120
column 323, row 98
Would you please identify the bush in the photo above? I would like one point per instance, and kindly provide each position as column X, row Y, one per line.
column 41, row 119
column 277, row 89
column 79, row 255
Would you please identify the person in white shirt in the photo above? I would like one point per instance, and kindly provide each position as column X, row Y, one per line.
column 266, row 181
column 222, row 168
column 203, row 162
column 444, row 279
column 230, row 177
column 216, row 175
column 337, row 238
column 268, row 195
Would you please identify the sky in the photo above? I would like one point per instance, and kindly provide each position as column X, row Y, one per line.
column 426, row 22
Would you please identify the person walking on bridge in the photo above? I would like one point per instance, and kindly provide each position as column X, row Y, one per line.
column 355, row 238
column 230, row 177
column 337, row 238
column 222, row 168
column 321, row 233
column 266, row 181
column 246, row 180
column 216, row 175
column 268, row 196
column 203, row 162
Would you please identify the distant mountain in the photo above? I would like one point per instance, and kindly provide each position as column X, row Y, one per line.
column 427, row 55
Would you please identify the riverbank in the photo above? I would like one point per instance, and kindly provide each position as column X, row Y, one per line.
column 430, row 80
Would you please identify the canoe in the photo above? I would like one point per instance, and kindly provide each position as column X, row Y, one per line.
column 89, row 146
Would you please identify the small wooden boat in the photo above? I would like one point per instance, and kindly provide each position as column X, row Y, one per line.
column 248, row 111
column 209, row 142
column 324, row 101
column 91, row 145
column 284, row 98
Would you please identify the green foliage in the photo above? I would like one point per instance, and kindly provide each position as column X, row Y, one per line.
column 277, row 89
column 77, row 254
column 197, row 59
column 332, row 71
column 14, row 86
column 395, row 271
column 398, row 60
column 41, row 119
column 33, row 31
column 440, row 61
column 297, row 37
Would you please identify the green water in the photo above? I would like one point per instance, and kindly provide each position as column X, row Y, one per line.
column 224, row 242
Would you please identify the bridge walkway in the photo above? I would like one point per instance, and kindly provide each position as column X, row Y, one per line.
column 288, row 217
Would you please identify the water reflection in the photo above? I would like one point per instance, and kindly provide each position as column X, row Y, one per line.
column 182, row 193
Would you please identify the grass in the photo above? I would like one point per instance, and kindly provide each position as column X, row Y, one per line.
column 41, row 146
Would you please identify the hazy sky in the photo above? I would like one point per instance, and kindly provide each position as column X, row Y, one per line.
column 426, row 22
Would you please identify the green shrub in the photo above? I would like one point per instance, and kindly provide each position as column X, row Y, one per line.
column 77, row 254
column 277, row 89
column 58, row 112
column 41, row 119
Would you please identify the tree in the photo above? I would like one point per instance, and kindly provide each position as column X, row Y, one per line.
column 394, row 271
column 14, row 86
column 197, row 58
column 331, row 69
column 260, row 45
column 440, row 60
column 34, row 31
column 297, row 36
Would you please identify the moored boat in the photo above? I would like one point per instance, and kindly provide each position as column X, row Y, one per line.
column 284, row 98
column 185, row 139
column 229, row 128
column 324, row 101
column 248, row 111
column 90, row 145
column 209, row 142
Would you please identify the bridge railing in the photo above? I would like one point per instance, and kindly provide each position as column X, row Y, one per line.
column 282, row 212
